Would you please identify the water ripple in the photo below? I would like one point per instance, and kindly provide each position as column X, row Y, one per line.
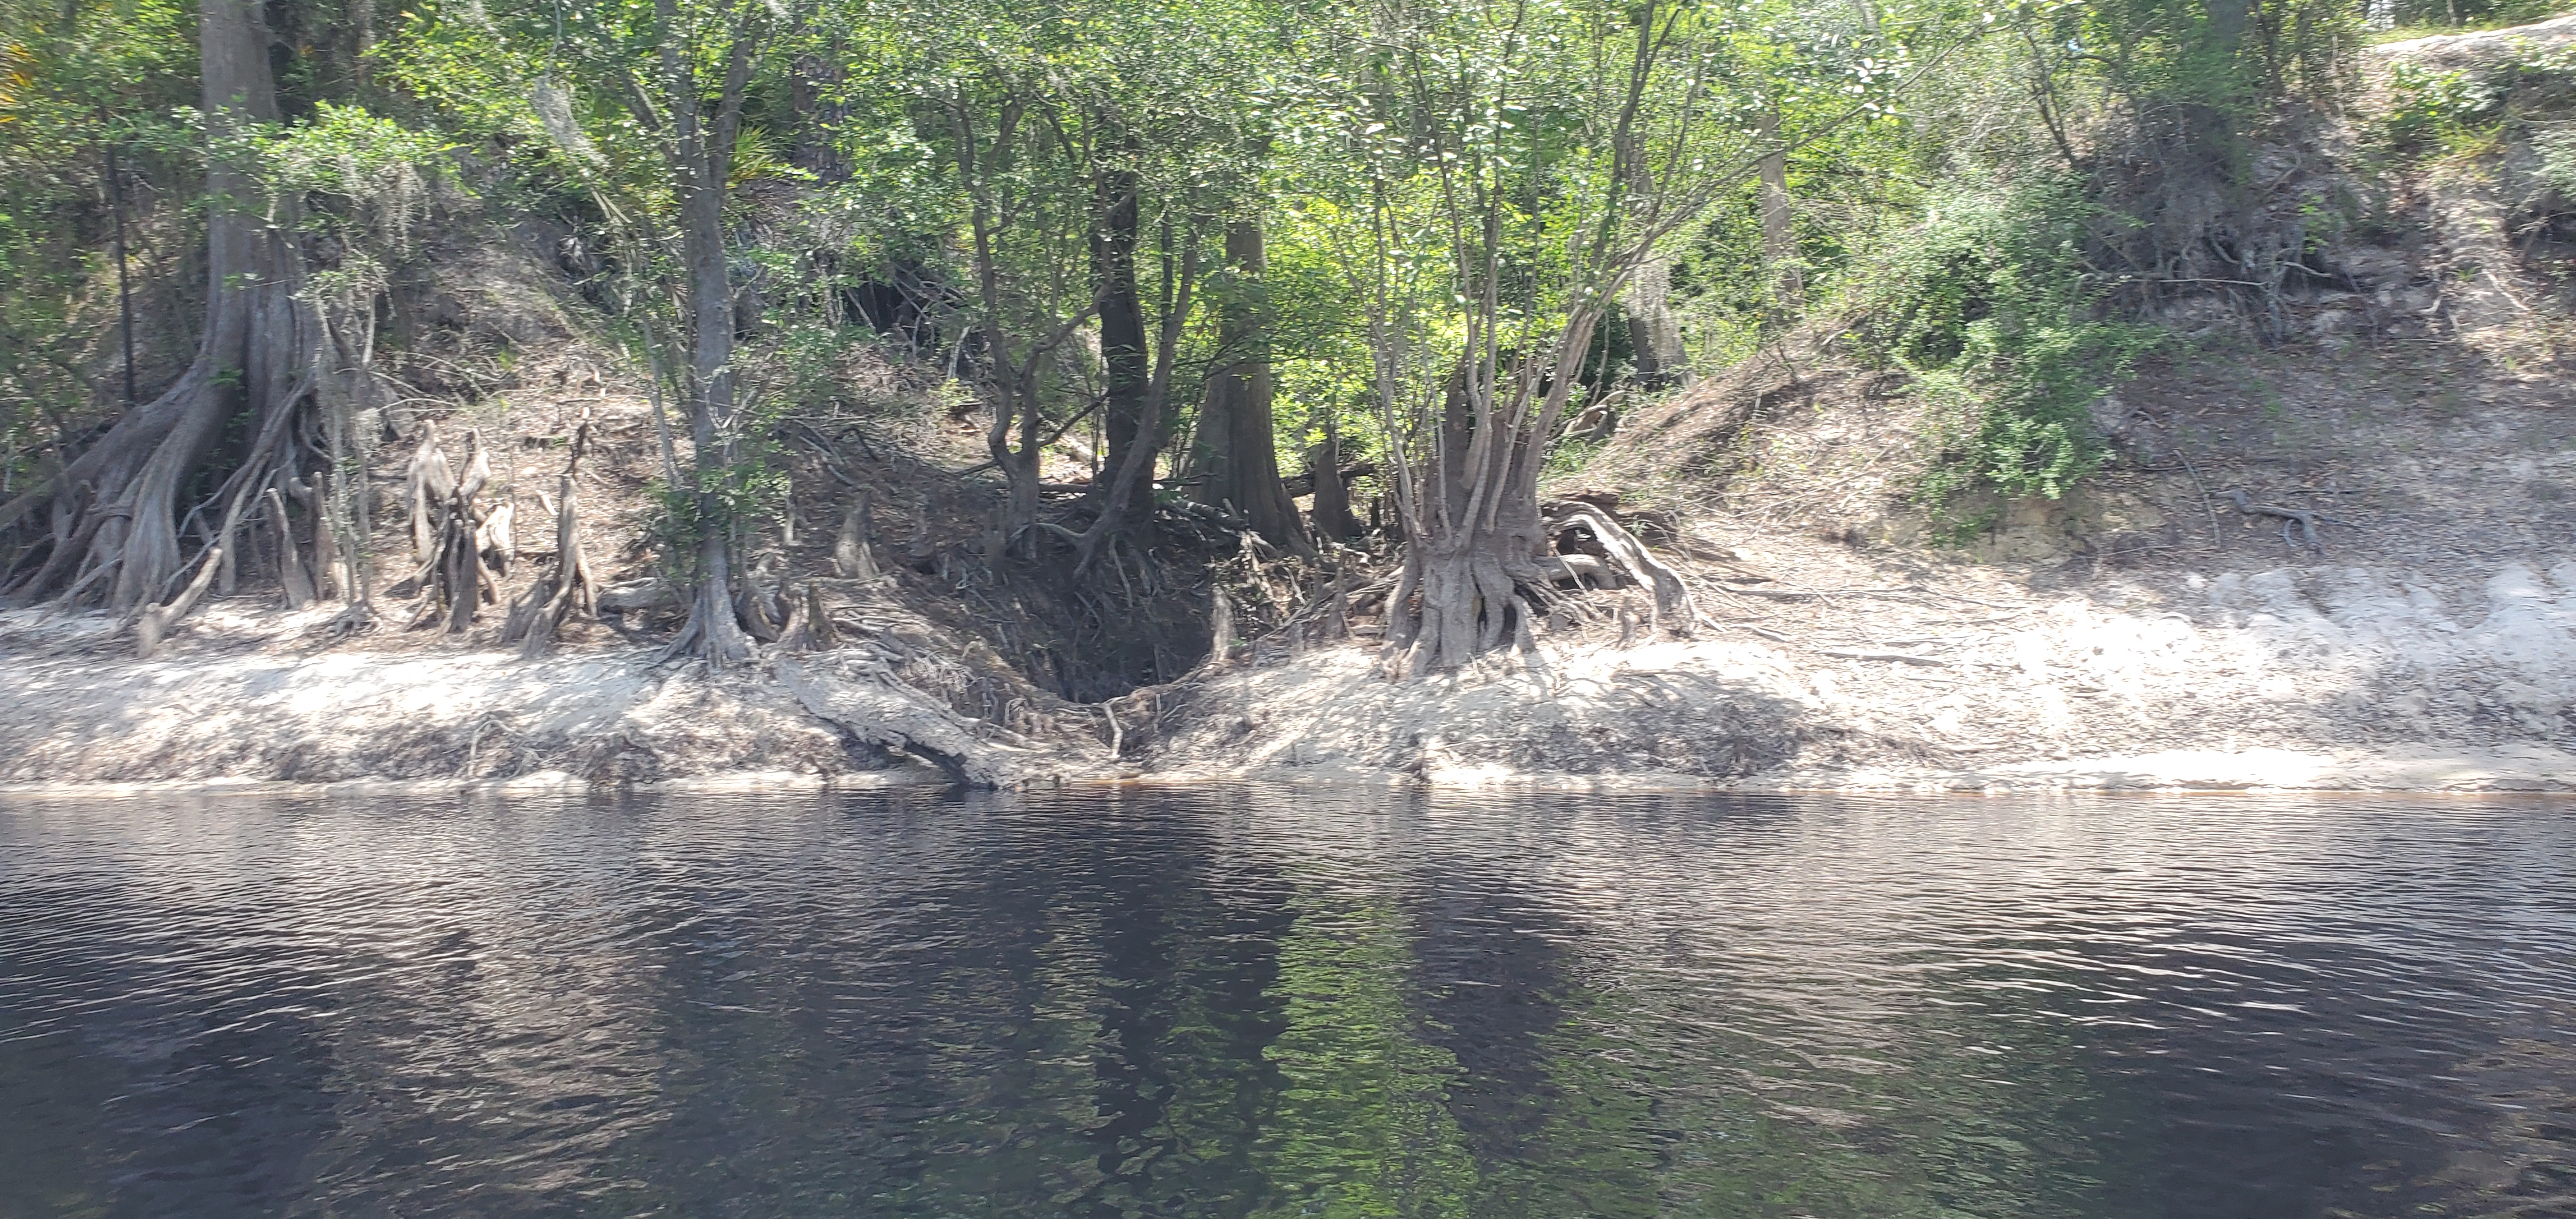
column 1246, row 1001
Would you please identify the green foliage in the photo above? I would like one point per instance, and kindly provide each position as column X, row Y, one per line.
column 2463, row 110
column 744, row 495
column 2557, row 150
column 2421, row 18
column 1434, row 179
column 345, row 152
column 811, row 366
column 1990, row 305
column 2429, row 108
column 75, row 79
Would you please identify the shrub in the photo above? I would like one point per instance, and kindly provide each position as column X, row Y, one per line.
column 1992, row 306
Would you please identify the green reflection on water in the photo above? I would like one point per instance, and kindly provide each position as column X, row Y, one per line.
column 1362, row 1128
column 1643, row 1106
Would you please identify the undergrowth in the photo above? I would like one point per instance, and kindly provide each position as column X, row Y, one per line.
column 1992, row 308
column 2444, row 113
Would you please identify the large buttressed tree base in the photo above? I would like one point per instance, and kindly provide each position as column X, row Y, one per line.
column 1598, row 157
column 1547, row 154
column 116, row 522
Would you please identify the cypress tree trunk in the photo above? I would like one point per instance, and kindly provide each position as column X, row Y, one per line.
column 1331, row 513
column 1237, row 456
column 115, row 508
column 711, row 606
column 1126, row 420
column 1473, row 536
column 1477, row 554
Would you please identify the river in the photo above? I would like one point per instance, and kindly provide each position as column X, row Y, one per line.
column 1275, row 1002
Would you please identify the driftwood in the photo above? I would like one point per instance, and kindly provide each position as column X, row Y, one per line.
column 862, row 695
column 1903, row 658
column 1820, row 594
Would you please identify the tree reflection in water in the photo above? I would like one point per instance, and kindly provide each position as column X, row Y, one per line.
column 1265, row 1003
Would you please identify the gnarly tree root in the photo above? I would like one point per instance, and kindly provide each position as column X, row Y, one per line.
column 1449, row 608
column 573, row 587
column 2306, row 521
column 154, row 624
column 1672, row 605
column 449, row 534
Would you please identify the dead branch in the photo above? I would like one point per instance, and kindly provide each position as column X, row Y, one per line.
column 1906, row 658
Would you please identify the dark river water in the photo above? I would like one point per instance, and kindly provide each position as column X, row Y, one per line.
column 1265, row 1002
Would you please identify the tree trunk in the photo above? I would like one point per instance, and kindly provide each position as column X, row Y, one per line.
column 1238, row 457
column 1476, row 544
column 117, row 509
column 1654, row 334
column 719, row 631
column 1473, row 537
column 1126, row 412
column 1779, row 231
column 1332, row 508
column 704, row 151
column 1470, row 599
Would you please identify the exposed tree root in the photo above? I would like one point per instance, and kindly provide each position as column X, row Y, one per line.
column 1672, row 601
column 155, row 622
column 115, row 519
column 862, row 696
column 448, row 518
column 2305, row 521
column 1448, row 607
column 853, row 551
column 573, row 588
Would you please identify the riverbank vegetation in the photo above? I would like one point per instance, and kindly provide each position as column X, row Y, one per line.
column 1292, row 310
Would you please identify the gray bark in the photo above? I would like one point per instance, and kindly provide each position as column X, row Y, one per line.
column 703, row 150
column 1779, row 231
